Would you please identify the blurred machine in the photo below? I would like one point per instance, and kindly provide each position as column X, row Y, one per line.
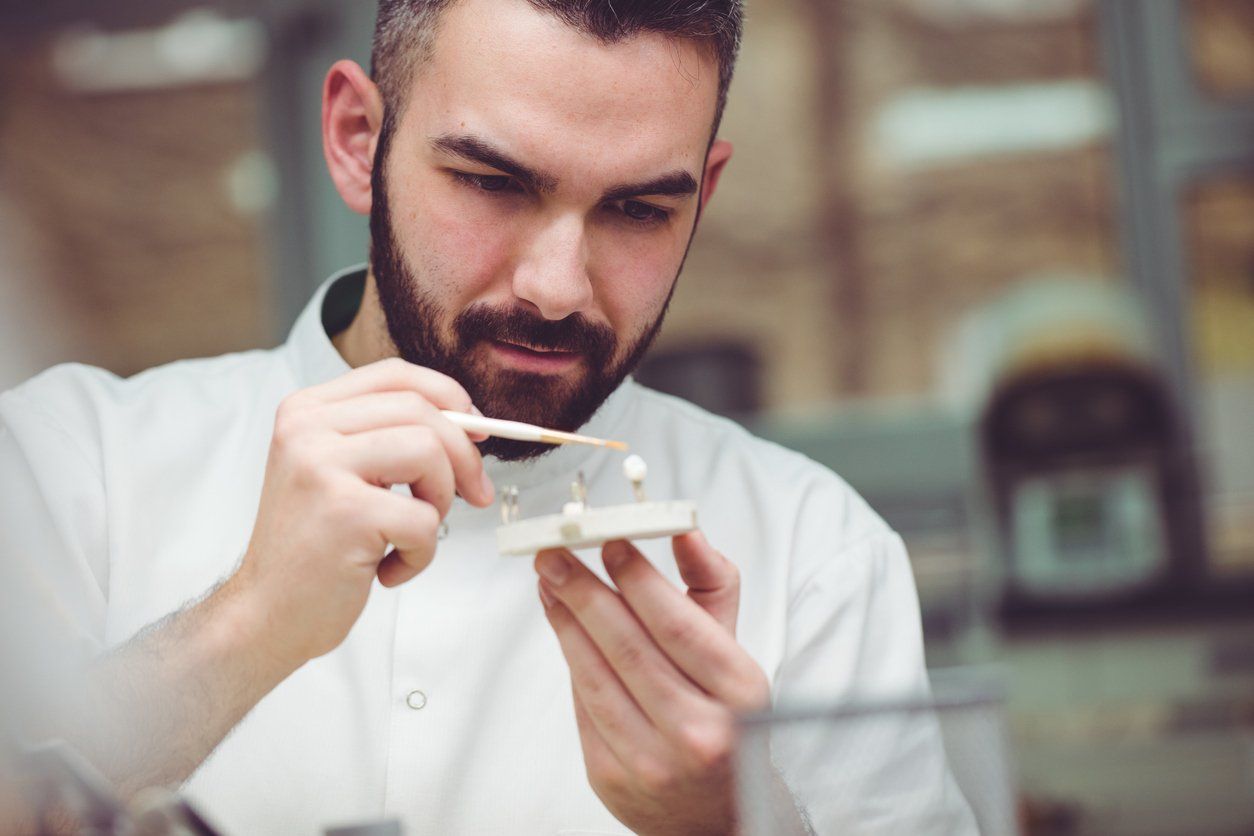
column 1082, row 450
column 65, row 794
column 723, row 376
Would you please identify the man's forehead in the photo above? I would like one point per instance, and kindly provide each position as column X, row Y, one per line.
column 531, row 83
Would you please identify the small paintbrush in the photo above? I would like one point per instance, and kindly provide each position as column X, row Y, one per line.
column 524, row 432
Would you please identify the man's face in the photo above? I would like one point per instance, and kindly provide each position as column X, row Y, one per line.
column 533, row 205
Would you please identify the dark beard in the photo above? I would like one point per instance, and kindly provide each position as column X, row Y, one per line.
column 413, row 322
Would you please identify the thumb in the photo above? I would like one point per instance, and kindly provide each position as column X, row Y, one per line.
column 713, row 581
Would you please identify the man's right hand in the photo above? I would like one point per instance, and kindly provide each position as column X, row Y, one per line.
column 153, row 709
column 327, row 513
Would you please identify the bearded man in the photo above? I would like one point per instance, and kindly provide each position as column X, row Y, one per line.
column 354, row 646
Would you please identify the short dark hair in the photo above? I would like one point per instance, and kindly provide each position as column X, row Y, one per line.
column 405, row 33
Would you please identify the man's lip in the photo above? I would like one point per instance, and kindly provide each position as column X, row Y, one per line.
column 525, row 358
column 534, row 349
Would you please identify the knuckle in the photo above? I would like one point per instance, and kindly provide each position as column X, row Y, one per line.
column 304, row 463
column 678, row 631
column 708, row 746
column 629, row 655
column 393, row 364
column 289, row 420
column 594, row 691
column 293, row 402
column 419, row 405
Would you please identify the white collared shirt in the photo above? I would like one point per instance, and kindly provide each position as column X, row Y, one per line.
column 449, row 703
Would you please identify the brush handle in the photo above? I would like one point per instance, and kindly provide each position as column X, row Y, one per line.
column 495, row 426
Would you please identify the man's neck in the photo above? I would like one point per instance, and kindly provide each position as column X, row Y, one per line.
column 364, row 341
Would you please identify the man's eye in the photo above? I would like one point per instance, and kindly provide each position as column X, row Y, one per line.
column 485, row 182
column 643, row 212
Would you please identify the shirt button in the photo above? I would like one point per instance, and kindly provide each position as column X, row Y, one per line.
column 416, row 700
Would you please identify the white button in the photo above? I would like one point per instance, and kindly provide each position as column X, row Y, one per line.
column 416, row 700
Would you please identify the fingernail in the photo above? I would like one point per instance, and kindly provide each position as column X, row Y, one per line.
column 614, row 554
column 489, row 490
column 552, row 567
column 546, row 597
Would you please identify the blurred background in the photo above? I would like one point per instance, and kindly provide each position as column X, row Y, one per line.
column 990, row 260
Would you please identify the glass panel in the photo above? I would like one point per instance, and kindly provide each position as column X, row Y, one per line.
column 1221, row 43
column 1219, row 217
column 937, row 762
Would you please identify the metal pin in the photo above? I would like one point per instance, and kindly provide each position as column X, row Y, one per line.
column 578, row 497
column 509, row 504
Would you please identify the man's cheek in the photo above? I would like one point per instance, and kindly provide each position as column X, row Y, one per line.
column 638, row 294
column 646, row 263
column 472, row 244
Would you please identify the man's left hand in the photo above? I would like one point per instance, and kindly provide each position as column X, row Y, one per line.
column 658, row 681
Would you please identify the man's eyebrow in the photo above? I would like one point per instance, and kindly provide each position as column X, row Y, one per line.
column 677, row 183
column 477, row 150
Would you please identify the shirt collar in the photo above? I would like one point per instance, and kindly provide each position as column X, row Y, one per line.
column 312, row 355
column 314, row 359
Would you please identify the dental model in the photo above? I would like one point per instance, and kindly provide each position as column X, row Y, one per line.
column 580, row 526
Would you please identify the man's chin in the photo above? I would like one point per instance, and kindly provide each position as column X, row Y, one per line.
column 556, row 402
column 542, row 399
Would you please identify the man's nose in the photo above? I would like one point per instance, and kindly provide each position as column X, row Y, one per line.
column 553, row 272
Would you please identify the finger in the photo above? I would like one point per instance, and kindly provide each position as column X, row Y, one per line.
column 376, row 410
column 690, row 636
column 713, row 581
column 385, row 410
column 601, row 762
column 472, row 480
column 404, row 455
column 382, row 409
column 412, row 527
column 395, row 374
column 397, row 568
column 661, row 690
column 612, row 710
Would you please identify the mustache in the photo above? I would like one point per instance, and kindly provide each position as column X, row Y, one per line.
column 575, row 333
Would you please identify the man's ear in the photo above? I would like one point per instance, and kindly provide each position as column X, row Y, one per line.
column 352, row 116
column 718, row 156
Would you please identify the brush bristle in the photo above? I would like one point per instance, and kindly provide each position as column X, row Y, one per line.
column 571, row 438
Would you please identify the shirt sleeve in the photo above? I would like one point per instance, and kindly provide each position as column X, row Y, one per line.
column 53, row 553
column 855, row 638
